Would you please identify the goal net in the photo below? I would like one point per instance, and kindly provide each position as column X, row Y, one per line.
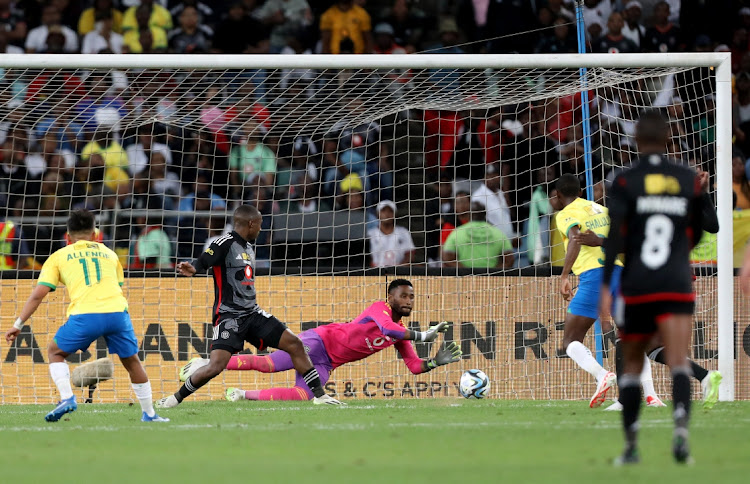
column 363, row 168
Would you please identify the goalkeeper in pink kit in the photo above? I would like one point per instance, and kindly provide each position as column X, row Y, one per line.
column 333, row 345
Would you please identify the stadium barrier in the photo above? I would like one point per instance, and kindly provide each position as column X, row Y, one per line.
column 510, row 327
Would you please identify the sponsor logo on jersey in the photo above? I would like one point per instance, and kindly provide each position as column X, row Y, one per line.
column 210, row 251
column 656, row 184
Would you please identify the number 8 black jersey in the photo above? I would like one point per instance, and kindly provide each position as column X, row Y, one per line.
column 656, row 210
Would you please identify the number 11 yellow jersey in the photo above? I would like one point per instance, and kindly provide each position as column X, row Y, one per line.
column 93, row 275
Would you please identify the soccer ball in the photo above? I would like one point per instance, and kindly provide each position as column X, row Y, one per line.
column 474, row 384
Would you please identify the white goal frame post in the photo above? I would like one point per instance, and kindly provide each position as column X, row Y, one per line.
column 720, row 64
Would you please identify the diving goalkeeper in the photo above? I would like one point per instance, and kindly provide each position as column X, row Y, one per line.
column 333, row 345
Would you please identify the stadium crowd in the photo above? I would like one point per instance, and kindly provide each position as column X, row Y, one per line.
column 487, row 174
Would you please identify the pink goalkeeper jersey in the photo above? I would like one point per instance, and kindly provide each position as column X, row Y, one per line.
column 370, row 332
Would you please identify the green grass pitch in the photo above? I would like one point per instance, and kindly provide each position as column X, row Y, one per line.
column 435, row 441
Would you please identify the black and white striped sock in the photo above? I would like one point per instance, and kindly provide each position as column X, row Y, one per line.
column 312, row 378
column 186, row 390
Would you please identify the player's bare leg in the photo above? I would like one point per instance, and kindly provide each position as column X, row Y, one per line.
column 60, row 373
column 218, row 360
column 575, row 330
column 629, row 382
column 675, row 332
column 292, row 345
column 141, row 388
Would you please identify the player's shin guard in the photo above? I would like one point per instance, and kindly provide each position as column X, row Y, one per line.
column 630, row 398
column 312, row 378
column 186, row 390
column 263, row 364
column 698, row 371
column 681, row 396
column 276, row 394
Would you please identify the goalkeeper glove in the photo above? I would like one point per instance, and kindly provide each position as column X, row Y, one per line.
column 432, row 333
column 448, row 353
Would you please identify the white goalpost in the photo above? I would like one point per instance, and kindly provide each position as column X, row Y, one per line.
column 163, row 147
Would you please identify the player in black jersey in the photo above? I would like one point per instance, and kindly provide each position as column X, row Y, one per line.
column 710, row 380
column 656, row 211
column 236, row 315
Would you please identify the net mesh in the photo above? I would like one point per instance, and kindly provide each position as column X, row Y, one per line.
column 164, row 156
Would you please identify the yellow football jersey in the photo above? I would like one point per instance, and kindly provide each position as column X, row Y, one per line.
column 93, row 275
column 586, row 215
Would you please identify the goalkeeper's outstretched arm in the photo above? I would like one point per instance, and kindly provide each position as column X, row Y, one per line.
column 448, row 353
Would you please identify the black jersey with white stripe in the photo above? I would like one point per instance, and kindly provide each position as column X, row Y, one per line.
column 656, row 210
column 233, row 261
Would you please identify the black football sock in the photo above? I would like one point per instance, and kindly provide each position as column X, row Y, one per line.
column 681, row 396
column 619, row 360
column 312, row 379
column 698, row 371
column 630, row 398
column 186, row 390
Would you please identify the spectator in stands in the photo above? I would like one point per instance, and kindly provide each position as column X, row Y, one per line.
column 5, row 47
column 285, row 18
column 352, row 199
column 409, row 24
column 13, row 22
column 57, row 157
column 251, row 159
column 202, row 189
column 191, row 37
column 163, row 181
column 595, row 15
column 305, row 196
column 350, row 150
column 740, row 184
column 93, row 15
column 536, row 243
column 100, row 95
column 738, row 47
column 559, row 9
column 461, row 215
column 614, row 41
column 741, row 111
column 146, row 37
column 113, row 177
column 13, row 175
column 346, row 21
column 156, row 16
column 477, row 244
column 105, row 142
column 509, row 25
column 390, row 244
column 664, row 36
column 38, row 38
column 152, row 248
column 449, row 37
column 384, row 40
column 139, row 153
column 103, row 39
column 472, row 18
column 239, row 33
column 52, row 199
column 560, row 42
column 206, row 13
column 490, row 196
column 633, row 28
column 12, row 248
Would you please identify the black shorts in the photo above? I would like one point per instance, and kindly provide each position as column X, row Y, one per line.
column 259, row 329
column 637, row 322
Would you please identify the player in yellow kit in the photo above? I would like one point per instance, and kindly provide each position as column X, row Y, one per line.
column 576, row 216
column 93, row 276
